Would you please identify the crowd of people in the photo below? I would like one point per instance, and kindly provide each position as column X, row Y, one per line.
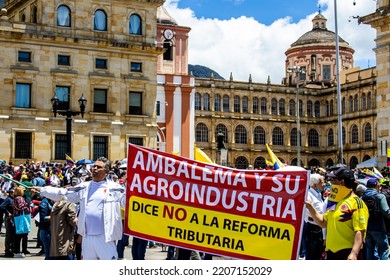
column 79, row 212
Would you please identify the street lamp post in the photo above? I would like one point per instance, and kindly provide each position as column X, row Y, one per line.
column 68, row 114
column 298, row 70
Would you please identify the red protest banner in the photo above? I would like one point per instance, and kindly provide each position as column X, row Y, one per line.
column 245, row 214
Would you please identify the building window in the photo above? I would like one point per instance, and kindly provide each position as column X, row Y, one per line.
column 62, row 94
column 201, row 133
column 135, row 103
column 23, row 145
column 240, row 135
column 100, row 21
column 300, row 102
column 60, row 145
column 364, row 102
column 100, row 147
column 344, row 136
column 245, row 104
column 263, row 106
column 291, row 111
column 24, row 56
column 100, row 100
column 226, row 103
column 278, row 136
column 23, row 95
column 158, row 108
column 241, row 162
column 302, row 73
column 294, row 137
column 282, row 107
column 168, row 53
column 198, row 102
column 63, row 60
column 326, row 72
column 255, row 107
column 343, row 105
column 259, row 135
column 63, row 16
column 135, row 25
column 327, row 108
column 136, row 141
column 101, row 63
column 206, row 102
column 350, row 104
column 313, row 139
column 331, row 108
column 274, row 106
column 309, row 109
column 222, row 128
column 34, row 14
column 330, row 138
column 136, row 67
column 369, row 101
column 354, row 134
column 367, row 133
column 236, row 104
column 217, row 103
column 317, row 111
column 356, row 103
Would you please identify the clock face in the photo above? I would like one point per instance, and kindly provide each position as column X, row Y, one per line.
column 168, row 34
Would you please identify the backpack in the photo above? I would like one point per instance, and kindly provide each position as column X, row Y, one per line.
column 373, row 206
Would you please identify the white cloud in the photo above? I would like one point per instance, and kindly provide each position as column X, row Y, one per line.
column 245, row 46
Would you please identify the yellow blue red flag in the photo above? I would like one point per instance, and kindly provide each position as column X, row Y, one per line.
column 201, row 156
column 69, row 160
column 277, row 164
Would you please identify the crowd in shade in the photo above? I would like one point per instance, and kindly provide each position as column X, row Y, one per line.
column 347, row 214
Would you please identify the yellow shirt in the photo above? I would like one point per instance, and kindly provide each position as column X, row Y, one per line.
column 350, row 215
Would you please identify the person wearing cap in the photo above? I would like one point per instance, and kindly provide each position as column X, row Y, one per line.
column 314, row 235
column 376, row 230
column 345, row 219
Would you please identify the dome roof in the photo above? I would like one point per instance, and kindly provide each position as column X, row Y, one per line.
column 164, row 17
column 318, row 36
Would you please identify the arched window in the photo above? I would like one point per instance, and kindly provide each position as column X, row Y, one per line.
column 206, row 102
column 353, row 162
column 223, row 129
column 331, row 108
column 294, row 137
column 329, row 162
column 217, row 103
column 314, row 162
column 135, row 25
column 343, row 110
column 240, row 135
column 300, row 102
column 100, row 21
column 369, row 101
column 317, row 109
column 350, row 104
column 226, row 103
column 236, row 105
column 313, row 139
column 364, row 102
column 291, row 111
column 355, row 104
column 274, row 106
column 263, row 104
column 354, row 134
column 278, row 136
column 260, row 163
column 34, row 14
column 282, row 107
column 201, row 133
column 367, row 133
column 245, row 104
column 168, row 52
column 241, row 162
column 344, row 136
column 255, row 107
column 198, row 104
column 309, row 108
column 259, row 135
column 327, row 108
column 63, row 16
column 330, row 137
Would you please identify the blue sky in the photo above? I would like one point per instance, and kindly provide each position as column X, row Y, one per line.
column 250, row 37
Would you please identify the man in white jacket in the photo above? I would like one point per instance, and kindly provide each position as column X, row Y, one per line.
column 99, row 220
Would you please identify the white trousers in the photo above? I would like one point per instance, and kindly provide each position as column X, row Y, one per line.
column 95, row 247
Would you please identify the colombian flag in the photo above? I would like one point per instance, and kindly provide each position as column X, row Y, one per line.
column 277, row 164
column 69, row 160
column 388, row 156
column 201, row 156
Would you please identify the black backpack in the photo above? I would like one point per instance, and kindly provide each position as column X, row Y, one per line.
column 373, row 206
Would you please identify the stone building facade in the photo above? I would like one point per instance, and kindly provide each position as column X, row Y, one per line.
column 103, row 50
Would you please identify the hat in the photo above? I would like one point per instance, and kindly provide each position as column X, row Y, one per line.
column 75, row 179
column 371, row 183
column 342, row 173
column 361, row 188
